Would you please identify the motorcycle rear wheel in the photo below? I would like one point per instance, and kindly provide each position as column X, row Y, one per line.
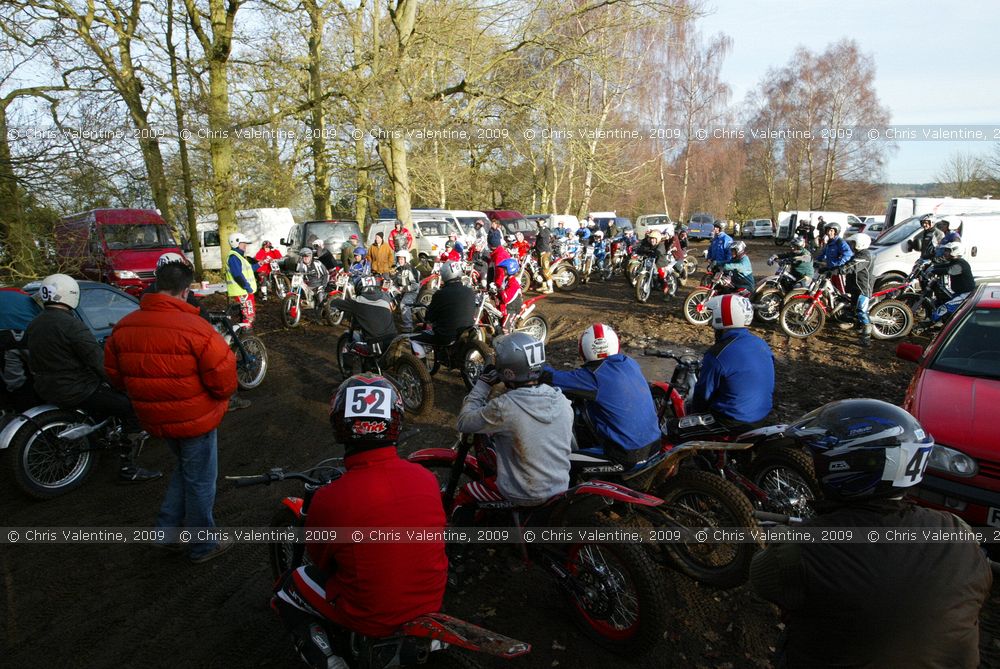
column 801, row 319
column 475, row 357
column 291, row 311
column 768, row 305
column 536, row 326
column 625, row 608
column 46, row 466
column 413, row 382
column 695, row 498
column 250, row 373
column 695, row 310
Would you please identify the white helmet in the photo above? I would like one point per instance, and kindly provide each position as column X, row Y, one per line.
column 730, row 311
column 236, row 238
column 305, row 251
column 60, row 289
column 956, row 249
column 598, row 341
column 451, row 271
column 168, row 258
column 862, row 241
column 403, row 253
column 318, row 243
column 599, row 234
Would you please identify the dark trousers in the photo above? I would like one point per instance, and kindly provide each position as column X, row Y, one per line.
column 106, row 401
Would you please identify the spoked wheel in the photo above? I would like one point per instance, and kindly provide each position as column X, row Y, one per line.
column 632, row 271
column 891, row 319
column 281, row 286
column 343, row 358
column 643, row 286
column 331, row 314
column 565, row 278
column 280, row 552
column 291, row 310
column 425, row 296
column 475, row 358
column 801, row 318
column 619, row 595
column 252, row 367
column 46, row 466
column 414, row 382
column 700, row 499
column 768, row 305
column 536, row 326
column 789, row 479
column 696, row 311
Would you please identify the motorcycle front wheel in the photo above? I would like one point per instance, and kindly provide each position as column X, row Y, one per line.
column 281, row 286
column 700, row 499
column 414, row 382
column 801, row 318
column 643, row 286
column 618, row 596
column 891, row 319
column 536, row 326
column 788, row 477
column 332, row 314
column 695, row 307
column 768, row 305
column 46, row 466
column 291, row 312
column 280, row 553
column 565, row 278
column 251, row 368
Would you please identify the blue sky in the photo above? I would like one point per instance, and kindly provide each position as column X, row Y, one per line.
column 936, row 62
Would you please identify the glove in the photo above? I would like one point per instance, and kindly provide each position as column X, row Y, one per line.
column 493, row 289
column 490, row 376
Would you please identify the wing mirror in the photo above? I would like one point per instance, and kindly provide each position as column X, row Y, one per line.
column 911, row 352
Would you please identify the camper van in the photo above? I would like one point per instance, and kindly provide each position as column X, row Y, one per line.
column 115, row 246
column 788, row 221
column 896, row 250
column 256, row 224
column 902, row 208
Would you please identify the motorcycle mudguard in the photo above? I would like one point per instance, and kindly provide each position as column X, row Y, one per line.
column 530, row 302
column 428, row 279
column 762, row 432
column 675, row 397
column 614, row 491
column 807, row 296
column 20, row 420
column 445, row 456
column 689, row 448
column 455, row 632
column 294, row 504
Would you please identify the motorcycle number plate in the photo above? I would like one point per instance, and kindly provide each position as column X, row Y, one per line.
column 296, row 281
column 418, row 348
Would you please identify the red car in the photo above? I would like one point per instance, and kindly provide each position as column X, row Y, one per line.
column 955, row 393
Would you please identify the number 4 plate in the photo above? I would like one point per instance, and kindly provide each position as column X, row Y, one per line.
column 993, row 517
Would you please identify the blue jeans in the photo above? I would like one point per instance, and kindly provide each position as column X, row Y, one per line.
column 191, row 493
column 862, row 309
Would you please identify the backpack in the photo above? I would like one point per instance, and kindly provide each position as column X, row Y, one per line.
column 510, row 265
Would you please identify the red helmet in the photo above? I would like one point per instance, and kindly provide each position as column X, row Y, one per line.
column 366, row 412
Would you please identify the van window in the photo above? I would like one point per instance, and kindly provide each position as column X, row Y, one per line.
column 899, row 233
column 211, row 238
column 853, row 220
column 137, row 236
column 435, row 228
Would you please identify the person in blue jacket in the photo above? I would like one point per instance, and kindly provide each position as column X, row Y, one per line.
column 836, row 252
column 741, row 267
column 719, row 248
column 736, row 383
column 617, row 398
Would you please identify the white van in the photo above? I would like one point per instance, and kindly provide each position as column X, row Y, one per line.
column 646, row 222
column 788, row 221
column 902, row 208
column 256, row 224
column 895, row 252
column 429, row 234
column 570, row 222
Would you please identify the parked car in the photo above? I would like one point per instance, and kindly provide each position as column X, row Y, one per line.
column 333, row 234
column 758, row 227
column 954, row 394
column 700, row 225
column 870, row 225
column 101, row 306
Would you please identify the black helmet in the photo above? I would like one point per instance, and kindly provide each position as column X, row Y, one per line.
column 366, row 412
column 863, row 448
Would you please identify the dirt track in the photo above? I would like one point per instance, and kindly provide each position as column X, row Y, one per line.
column 102, row 606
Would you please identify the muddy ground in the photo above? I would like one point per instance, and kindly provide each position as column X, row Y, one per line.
column 129, row 606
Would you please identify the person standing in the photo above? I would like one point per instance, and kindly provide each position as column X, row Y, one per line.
column 347, row 251
column 405, row 278
column 400, row 238
column 380, row 255
column 240, row 282
column 183, row 408
column 323, row 255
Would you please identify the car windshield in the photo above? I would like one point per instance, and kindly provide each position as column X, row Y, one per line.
column 655, row 220
column 137, row 236
column 332, row 234
column 898, row 232
column 435, row 228
column 972, row 348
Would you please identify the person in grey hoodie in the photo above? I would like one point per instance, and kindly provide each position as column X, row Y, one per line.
column 531, row 424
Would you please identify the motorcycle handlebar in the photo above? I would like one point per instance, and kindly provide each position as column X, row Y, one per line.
column 244, row 481
column 653, row 353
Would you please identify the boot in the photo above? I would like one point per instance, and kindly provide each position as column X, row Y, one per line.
column 866, row 335
column 548, row 287
column 128, row 471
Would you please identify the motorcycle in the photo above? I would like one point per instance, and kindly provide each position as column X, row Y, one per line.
column 774, row 473
column 769, row 295
column 805, row 311
column 696, row 310
column 469, row 354
column 420, row 641
column 922, row 290
column 693, row 498
column 403, row 357
column 251, row 354
column 273, row 280
column 615, row 590
column 649, row 278
column 342, row 287
column 54, row 449
column 584, row 262
column 565, row 277
column 490, row 320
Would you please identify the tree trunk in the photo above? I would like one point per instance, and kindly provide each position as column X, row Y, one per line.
column 321, row 166
column 13, row 232
column 363, row 196
column 220, row 147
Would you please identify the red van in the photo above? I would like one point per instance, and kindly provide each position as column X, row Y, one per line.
column 513, row 221
column 115, row 246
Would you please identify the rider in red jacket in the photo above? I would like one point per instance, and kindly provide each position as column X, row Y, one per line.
column 400, row 237
column 371, row 587
column 507, row 287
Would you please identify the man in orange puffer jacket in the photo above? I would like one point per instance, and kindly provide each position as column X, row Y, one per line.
column 179, row 373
